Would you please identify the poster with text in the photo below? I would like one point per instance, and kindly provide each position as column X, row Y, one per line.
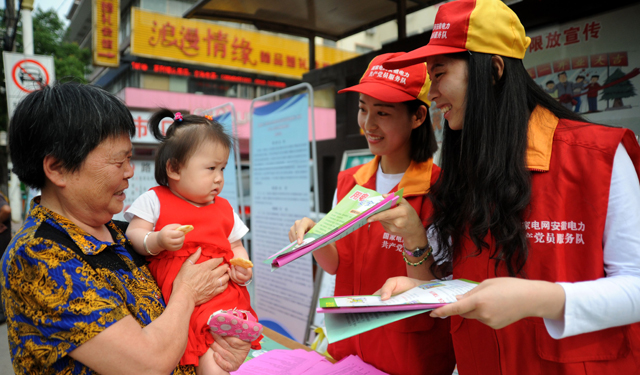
column 591, row 65
column 230, row 189
column 280, row 194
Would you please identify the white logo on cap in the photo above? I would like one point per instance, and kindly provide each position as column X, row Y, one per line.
column 439, row 35
column 437, row 32
column 395, row 75
column 441, row 26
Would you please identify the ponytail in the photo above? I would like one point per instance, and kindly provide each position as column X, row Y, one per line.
column 177, row 147
column 154, row 123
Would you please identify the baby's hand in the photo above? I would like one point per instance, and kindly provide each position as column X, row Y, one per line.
column 169, row 238
column 240, row 275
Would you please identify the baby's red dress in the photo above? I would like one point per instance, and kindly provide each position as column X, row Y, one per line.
column 212, row 225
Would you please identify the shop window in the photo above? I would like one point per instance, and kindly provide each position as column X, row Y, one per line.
column 210, row 88
column 232, row 91
column 262, row 91
column 178, row 84
column 246, row 92
column 154, row 82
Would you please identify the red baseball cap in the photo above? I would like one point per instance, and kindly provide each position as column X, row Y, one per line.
column 487, row 26
column 393, row 86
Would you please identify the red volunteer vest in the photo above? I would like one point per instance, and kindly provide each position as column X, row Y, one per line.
column 570, row 195
column 368, row 257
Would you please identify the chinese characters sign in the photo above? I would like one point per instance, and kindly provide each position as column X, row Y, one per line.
column 590, row 66
column 175, row 39
column 569, row 35
column 106, row 22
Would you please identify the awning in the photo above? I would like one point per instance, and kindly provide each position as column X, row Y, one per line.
column 329, row 19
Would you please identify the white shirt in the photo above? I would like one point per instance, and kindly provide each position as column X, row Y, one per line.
column 615, row 299
column 147, row 207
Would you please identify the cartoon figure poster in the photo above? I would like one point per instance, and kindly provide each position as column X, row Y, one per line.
column 591, row 66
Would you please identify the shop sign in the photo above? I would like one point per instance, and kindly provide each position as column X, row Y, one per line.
column 106, row 23
column 159, row 36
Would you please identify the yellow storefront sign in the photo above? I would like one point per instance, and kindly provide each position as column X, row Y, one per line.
column 106, row 23
column 169, row 38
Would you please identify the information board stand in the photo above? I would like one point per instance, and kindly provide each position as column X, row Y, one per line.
column 280, row 194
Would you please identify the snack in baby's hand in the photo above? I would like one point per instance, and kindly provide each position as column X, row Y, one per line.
column 185, row 228
column 244, row 263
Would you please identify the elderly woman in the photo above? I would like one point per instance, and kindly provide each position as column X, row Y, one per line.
column 78, row 298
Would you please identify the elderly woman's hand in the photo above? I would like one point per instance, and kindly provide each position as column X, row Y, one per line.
column 229, row 352
column 403, row 221
column 203, row 281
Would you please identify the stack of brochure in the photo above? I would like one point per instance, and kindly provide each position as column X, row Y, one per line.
column 347, row 316
column 348, row 215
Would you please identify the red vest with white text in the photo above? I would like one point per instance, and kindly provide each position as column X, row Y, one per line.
column 570, row 195
column 368, row 257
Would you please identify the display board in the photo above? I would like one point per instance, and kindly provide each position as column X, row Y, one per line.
column 280, row 192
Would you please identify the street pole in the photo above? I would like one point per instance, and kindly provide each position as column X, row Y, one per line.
column 15, row 195
column 27, row 27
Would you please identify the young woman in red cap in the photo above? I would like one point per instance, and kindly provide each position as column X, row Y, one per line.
column 393, row 114
column 538, row 205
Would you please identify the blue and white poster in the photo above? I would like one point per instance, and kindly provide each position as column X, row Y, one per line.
column 230, row 189
column 280, row 191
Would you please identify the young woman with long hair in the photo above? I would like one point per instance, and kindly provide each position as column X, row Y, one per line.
column 540, row 206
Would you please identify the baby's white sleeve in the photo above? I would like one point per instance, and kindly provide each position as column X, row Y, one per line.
column 239, row 228
column 146, row 207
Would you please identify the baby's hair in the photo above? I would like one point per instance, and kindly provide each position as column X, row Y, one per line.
column 183, row 138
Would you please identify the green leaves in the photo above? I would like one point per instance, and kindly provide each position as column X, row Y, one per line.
column 48, row 38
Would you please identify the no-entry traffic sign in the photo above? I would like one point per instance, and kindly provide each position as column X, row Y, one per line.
column 29, row 75
column 25, row 74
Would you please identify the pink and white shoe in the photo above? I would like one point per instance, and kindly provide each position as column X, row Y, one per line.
column 237, row 323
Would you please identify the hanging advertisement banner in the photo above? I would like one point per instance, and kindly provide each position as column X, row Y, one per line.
column 106, row 25
column 591, row 66
column 169, row 38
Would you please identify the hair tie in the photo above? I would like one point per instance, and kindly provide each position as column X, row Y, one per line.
column 177, row 117
column 208, row 117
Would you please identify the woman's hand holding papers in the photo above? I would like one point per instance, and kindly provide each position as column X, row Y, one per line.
column 300, row 228
column 397, row 285
column 327, row 256
column 495, row 302
column 403, row 221
column 501, row 301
